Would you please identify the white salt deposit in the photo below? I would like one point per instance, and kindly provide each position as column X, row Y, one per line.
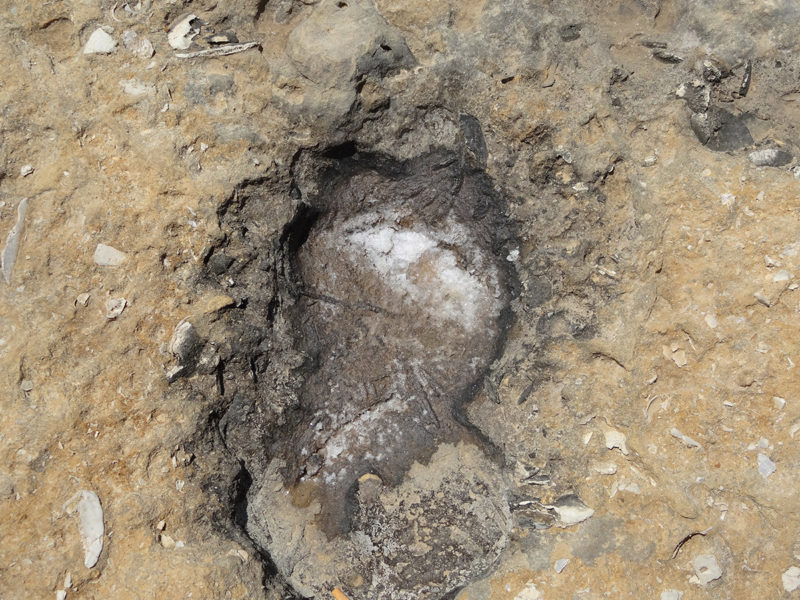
column 418, row 266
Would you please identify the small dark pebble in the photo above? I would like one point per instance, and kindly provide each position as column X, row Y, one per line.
column 720, row 130
column 667, row 56
column 219, row 263
column 653, row 44
column 570, row 33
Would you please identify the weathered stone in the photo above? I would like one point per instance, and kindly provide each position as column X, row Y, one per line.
column 721, row 130
column 330, row 52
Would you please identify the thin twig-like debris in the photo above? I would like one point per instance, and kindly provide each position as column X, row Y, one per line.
column 686, row 539
column 220, row 51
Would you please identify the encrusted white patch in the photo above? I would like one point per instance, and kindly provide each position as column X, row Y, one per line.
column 418, row 265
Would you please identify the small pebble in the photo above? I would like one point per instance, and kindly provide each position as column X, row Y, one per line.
column 605, row 468
column 706, row 569
column 770, row 157
column 26, row 170
column 791, row 579
column 761, row 297
column 90, row 524
column 616, row 439
column 137, row 45
column 82, row 299
column 676, row 433
column 100, row 43
column 765, row 466
column 108, row 256
column 782, row 275
column 26, row 385
column 6, row 487
column 571, row 510
column 671, row 595
column 114, row 307
column 561, row 564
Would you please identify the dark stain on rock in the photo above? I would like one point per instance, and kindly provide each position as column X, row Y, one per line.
column 401, row 304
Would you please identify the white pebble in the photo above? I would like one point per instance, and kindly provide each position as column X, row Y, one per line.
column 26, row 170
column 114, row 307
column 782, row 275
column 100, row 43
column 90, row 524
column 605, row 468
column 671, row 595
column 616, row 439
column 561, row 564
column 791, row 579
column 676, row 433
column 107, row 256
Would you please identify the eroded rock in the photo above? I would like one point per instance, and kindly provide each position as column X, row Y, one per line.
column 401, row 305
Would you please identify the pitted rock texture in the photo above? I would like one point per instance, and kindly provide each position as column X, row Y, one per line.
column 446, row 524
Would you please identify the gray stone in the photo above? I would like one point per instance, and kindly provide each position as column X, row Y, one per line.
column 203, row 88
column 569, row 33
column 770, row 157
column 185, row 343
column 696, row 94
column 721, row 130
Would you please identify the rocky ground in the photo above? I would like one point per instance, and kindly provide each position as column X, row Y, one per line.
column 632, row 432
